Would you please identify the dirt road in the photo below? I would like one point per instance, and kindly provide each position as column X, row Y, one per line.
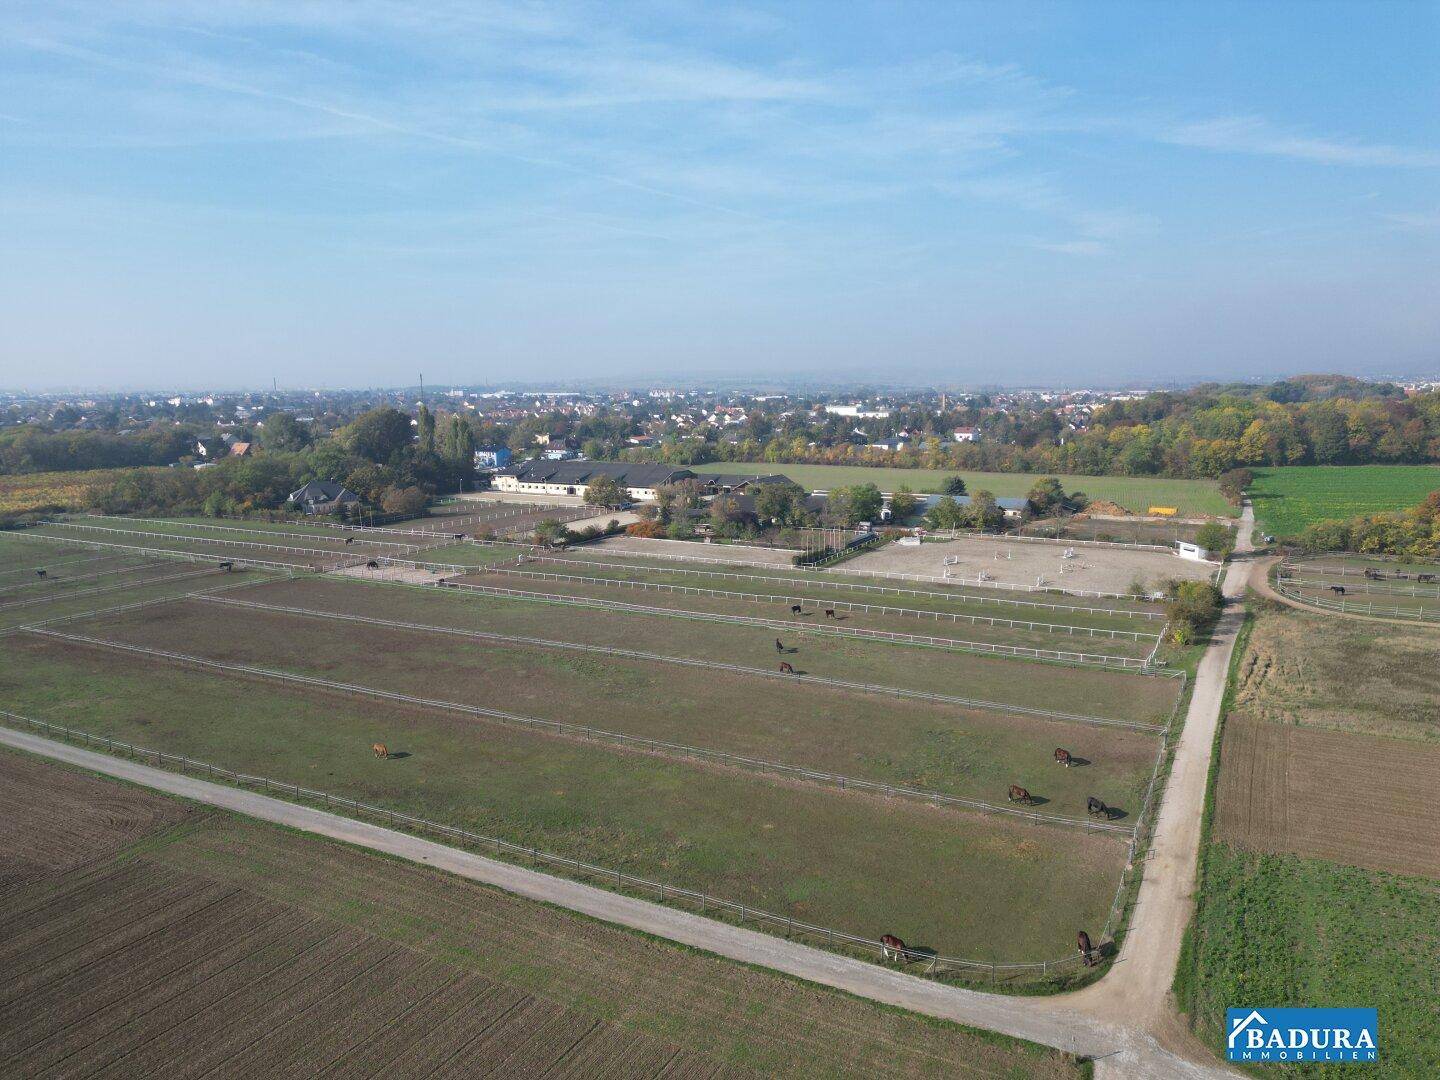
column 1125, row 1022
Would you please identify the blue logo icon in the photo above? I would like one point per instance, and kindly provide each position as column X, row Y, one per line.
column 1276, row 1035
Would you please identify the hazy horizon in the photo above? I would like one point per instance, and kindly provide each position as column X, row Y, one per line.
column 209, row 195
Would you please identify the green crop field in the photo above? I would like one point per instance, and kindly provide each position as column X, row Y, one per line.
column 1286, row 500
column 1280, row 930
column 1135, row 493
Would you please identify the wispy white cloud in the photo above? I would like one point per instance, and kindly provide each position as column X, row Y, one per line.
column 1255, row 135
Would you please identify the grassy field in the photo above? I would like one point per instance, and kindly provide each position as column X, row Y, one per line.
column 969, row 753
column 1135, row 493
column 628, row 1004
column 1280, row 930
column 1111, row 694
column 1286, row 500
column 974, row 884
column 1340, row 674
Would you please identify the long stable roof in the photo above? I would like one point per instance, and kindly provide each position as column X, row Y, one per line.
column 624, row 473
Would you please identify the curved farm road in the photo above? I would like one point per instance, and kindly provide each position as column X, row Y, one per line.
column 1124, row 1022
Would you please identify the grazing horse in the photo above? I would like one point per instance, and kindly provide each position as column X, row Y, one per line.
column 1340, row 589
column 41, row 573
column 1017, row 794
column 1425, row 578
column 1374, row 575
column 1095, row 806
column 1087, row 954
column 372, row 565
column 794, row 609
column 1062, row 757
column 829, row 613
column 381, row 750
column 227, row 566
column 893, row 947
column 787, row 668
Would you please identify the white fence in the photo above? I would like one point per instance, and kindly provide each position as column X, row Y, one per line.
column 607, row 650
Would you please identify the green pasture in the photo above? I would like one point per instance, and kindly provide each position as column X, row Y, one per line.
column 1135, row 493
column 1289, row 499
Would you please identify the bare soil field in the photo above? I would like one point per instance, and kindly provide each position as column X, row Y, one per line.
column 1354, row 799
column 57, row 818
column 740, row 554
column 1028, row 562
column 275, row 954
column 1092, row 691
column 1340, row 674
column 924, row 745
column 828, row 856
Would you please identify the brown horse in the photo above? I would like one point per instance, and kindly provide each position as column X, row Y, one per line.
column 349, row 540
column 893, row 947
column 372, row 565
column 381, row 750
column 1017, row 794
column 1087, row 954
column 1095, row 806
column 787, row 668
column 829, row 613
column 41, row 573
column 1062, row 757
column 795, row 609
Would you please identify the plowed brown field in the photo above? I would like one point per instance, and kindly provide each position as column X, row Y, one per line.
column 1356, row 799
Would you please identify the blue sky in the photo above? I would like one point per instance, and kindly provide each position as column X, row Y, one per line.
column 211, row 192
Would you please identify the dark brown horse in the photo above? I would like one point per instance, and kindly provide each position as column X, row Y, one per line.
column 1017, row 794
column 1095, row 806
column 787, row 668
column 1338, row 589
column 41, row 573
column 794, row 609
column 829, row 613
column 1062, row 757
column 372, row 565
column 893, row 947
column 1087, row 954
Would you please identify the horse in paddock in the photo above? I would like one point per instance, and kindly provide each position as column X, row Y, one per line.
column 893, row 948
column 1426, row 578
column 227, row 566
column 42, row 573
column 778, row 647
column 459, row 536
column 372, row 565
column 381, row 750
column 787, row 668
column 1095, row 806
column 794, row 609
column 1082, row 943
column 349, row 540
column 1062, row 757
column 1339, row 590
column 1017, row 794
column 829, row 613
column 1374, row 575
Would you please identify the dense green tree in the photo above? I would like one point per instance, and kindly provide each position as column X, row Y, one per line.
column 378, row 435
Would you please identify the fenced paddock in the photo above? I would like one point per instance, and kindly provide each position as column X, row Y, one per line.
column 1335, row 583
column 1091, row 691
column 761, row 840
column 818, row 733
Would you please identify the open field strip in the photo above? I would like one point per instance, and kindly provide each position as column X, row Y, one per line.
column 185, row 555
column 628, row 742
column 572, row 599
column 35, row 559
column 938, row 611
column 62, row 609
column 827, row 733
column 577, row 561
column 1092, row 691
column 974, row 883
column 169, row 527
column 58, row 580
column 149, row 599
column 1135, row 493
column 207, row 547
column 158, row 580
column 769, row 673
